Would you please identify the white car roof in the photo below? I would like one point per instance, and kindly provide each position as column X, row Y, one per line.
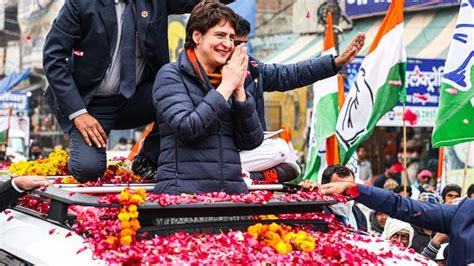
column 33, row 240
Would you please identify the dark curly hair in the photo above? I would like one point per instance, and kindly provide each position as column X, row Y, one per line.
column 206, row 15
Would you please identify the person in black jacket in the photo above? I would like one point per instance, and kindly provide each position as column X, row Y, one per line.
column 275, row 159
column 16, row 187
column 204, row 114
column 100, row 58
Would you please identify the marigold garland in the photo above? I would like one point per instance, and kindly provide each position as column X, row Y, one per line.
column 55, row 164
column 128, row 216
column 282, row 238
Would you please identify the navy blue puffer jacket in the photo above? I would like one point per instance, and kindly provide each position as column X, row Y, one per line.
column 201, row 133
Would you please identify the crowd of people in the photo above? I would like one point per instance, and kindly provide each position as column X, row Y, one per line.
column 422, row 188
column 208, row 110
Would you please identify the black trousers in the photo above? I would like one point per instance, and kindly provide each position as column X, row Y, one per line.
column 87, row 163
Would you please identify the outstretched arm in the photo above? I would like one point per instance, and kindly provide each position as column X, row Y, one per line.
column 288, row 77
column 14, row 188
column 436, row 217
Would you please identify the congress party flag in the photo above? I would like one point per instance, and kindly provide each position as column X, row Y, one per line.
column 455, row 118
column 379, row 85
column 324, row 115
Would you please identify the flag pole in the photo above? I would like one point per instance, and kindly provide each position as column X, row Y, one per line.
column 465, row 164
column 404, row 173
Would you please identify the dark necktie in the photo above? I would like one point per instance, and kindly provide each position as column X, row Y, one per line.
column 127, row 52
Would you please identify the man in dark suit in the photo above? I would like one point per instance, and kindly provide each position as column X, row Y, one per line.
column 100, row 58
column 16, row 187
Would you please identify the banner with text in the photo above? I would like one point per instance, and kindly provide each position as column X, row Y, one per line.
column 363, row 8
column 423, row 81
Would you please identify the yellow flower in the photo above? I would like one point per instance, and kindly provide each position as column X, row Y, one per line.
column 141, row 192
column 289, row 236
column 274, row 227
column 125, row 224
column 255, row 229
column 307, row 246
column 111, row 240
column 135, row 224
column 123, row 216
column 133, row 215
column 124, row 196
column 268, row 217
column 69, row 180
column 126, row 240
column 136, row 199
column 127, row 232
column 283, row 248
column 132, row 208
column 300, row 237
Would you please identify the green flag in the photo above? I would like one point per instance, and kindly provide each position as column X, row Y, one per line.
column 455, row 118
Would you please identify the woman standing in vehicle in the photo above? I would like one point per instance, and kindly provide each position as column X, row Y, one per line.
column 204, row 114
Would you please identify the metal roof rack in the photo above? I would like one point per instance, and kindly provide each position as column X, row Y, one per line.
column 61, row 198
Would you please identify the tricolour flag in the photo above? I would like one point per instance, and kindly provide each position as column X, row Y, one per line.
column 455, row 118
column 325, row 109
column 379, row 85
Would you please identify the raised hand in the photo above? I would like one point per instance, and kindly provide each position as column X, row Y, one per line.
column 232, row 73
column 239, row 92
column 90, row 129
column 351, row 51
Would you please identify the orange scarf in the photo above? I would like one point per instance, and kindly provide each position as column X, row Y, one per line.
column 215, row 78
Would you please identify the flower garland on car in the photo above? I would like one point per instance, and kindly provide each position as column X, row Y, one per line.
column 128, row 216
column 55, row 164
column 282, row 238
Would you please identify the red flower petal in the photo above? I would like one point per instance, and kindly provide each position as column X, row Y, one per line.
column 421, row 97
column 410, row 117
column 81, row 250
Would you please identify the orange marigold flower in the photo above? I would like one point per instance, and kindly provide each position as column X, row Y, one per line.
column 307, row 246
column 127, row 232
column 111, row 240
column 126, row 240
column 136, row 199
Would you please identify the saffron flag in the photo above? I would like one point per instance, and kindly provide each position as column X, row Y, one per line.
column 455, row 117
column 324, row 116
column 379, row 85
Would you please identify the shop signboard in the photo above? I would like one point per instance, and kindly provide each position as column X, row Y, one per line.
column 18, row 101
column 423, row 81
column 364, row 8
